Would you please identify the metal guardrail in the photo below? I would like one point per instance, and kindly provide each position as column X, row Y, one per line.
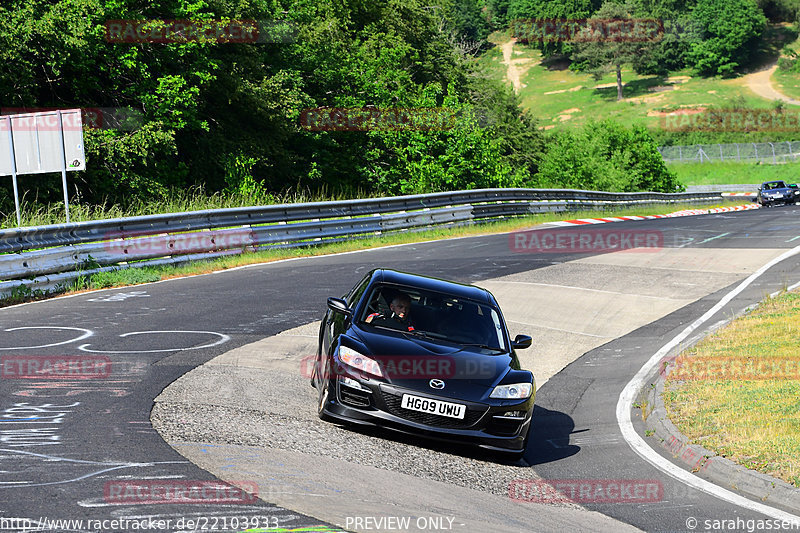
column 47, row 257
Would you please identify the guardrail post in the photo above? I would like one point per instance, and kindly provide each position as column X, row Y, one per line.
column 13, row 161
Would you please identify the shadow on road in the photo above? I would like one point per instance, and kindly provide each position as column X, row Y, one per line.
column 549, row 436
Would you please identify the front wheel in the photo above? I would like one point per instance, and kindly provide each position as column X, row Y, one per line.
column 324, row 395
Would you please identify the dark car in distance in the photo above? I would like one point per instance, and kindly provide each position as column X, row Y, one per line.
column 446, row 369
column 777, row 192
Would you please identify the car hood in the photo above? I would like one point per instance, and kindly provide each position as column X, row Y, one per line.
column 410, row 361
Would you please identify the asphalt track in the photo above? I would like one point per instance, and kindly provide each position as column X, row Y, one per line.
column 98, row 430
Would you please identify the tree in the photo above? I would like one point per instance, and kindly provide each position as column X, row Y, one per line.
column 731, row 28
column 606, row 42
column 497, row 13
column 521, row 13
column 468, row 22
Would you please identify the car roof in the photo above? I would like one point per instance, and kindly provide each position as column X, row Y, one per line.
column 460, row 290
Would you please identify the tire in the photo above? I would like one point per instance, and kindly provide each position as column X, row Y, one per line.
column 315, row 371
column 324, row 395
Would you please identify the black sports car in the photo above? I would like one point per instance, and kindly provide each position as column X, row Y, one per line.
column 424, row 356
column 776, row 192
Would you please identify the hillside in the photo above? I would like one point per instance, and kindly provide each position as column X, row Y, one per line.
column 558, row 96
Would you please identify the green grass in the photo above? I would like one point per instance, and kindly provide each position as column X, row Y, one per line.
column 788, row 83
column 734, row 173
column 133, row 276
column 719, row 396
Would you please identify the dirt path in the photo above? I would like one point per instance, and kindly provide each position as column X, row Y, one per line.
column 759, row 82
column 513, row 73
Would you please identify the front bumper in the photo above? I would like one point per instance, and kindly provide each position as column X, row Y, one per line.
column 778, row 200
column 486, row 424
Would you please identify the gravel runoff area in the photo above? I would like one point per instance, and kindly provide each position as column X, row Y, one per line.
column 251, row 414
column 276, row 409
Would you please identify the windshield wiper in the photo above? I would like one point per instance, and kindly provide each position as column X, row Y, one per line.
column 423, row 334
column 485, row 347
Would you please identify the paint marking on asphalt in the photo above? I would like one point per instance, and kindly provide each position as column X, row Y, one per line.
column 712, row 238
column 85, row 334
column 222, row 339
column 556, row 286
column 637, row 443
column 793, row 238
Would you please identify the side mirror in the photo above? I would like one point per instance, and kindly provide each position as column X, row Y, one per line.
column 337, row 305
column 521, row 342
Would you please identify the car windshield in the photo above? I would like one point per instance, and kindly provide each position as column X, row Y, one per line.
column 774, row 185
column 434, row 315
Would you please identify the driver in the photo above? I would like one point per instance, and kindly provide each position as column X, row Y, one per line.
column 399, row 319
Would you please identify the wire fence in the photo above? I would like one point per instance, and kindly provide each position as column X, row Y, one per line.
column 769, row 152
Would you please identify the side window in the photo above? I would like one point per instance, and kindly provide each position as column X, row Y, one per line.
column 357, row 291
column 378, row 303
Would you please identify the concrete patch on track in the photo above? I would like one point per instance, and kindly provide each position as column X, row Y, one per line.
column 716, row 260
column 320, row 486
column 251, row 412
column 572, row 308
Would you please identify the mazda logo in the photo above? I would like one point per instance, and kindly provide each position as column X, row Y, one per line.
column 436, row 384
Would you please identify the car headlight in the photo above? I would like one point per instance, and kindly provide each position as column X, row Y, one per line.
column 354, row 359
column 516, row 391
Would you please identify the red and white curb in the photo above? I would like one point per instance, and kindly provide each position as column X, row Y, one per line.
column 684, row 213
column 739, row 194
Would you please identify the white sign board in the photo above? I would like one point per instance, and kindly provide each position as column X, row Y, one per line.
column 46, row 141
column 37, row 142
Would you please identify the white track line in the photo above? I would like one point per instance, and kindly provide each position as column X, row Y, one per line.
column 633, row 387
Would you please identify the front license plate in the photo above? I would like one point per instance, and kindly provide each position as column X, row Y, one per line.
column 434, row 407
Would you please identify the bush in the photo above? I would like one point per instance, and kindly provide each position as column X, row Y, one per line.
column 606, row 156
column 466, row 156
